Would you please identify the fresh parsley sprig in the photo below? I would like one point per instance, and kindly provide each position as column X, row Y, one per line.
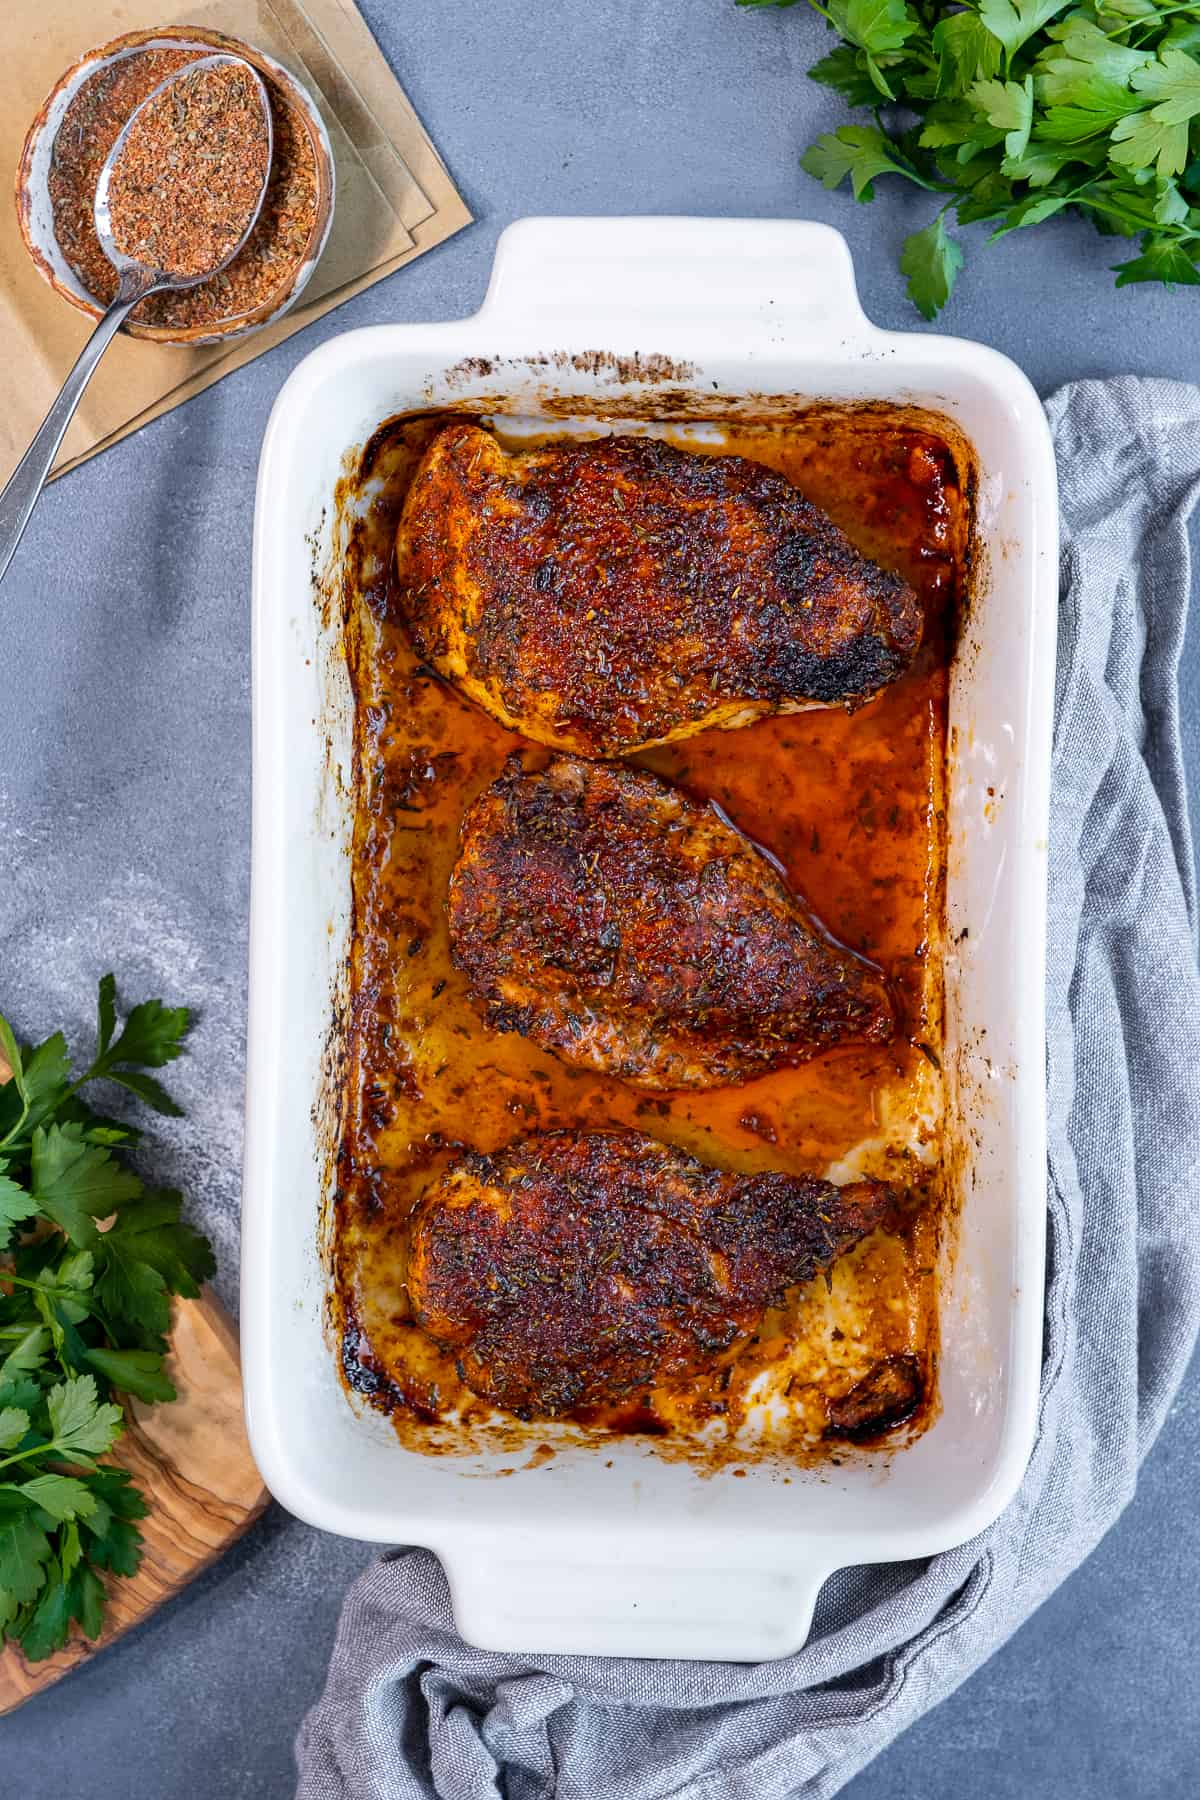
column 89, row 1260
column 1014, row 110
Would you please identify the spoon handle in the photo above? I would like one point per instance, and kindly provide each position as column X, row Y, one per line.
column 28, row 478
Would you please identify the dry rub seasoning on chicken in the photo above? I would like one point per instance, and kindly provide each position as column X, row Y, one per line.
column 602, row 597
column 630, row 929
column 576, row 1267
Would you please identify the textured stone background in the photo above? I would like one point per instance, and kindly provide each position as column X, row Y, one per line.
column 124, row 841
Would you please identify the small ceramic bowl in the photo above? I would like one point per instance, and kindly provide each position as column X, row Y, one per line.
column 35, row 213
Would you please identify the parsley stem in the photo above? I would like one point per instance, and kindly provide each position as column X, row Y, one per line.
column 91, row 1074
column 95, row 1073
column 1139, row 220
column 14, row 1128
column 24, row 1455
column 1151, row 19
column 931, row 187
column 905, row 166
column 39, row 1287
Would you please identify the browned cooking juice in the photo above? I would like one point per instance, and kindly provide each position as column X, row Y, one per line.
column 851, row 804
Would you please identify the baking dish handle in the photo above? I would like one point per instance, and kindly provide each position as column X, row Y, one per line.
column 767, row 280
column 677, row 1605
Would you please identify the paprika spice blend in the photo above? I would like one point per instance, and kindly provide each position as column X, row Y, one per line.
column 267, row 272
column 189, row 175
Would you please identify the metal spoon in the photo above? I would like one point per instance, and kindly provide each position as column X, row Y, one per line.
column 136, row 281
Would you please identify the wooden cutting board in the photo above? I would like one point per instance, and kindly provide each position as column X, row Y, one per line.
column 193, row 1465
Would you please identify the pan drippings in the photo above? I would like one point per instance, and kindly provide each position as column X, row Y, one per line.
column 848, row 805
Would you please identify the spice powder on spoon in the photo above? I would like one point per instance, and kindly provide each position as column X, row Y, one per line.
column 266, row 265
column 188, row 178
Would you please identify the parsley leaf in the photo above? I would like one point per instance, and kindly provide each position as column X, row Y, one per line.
column 1160, row 136
column 62, row 1496
column 10, row 1054
column 16, row 1205
column 862, row 152
column 152, row 1035
column 26, row 1354
column 1173, row 81
column 1076, row 124
column 845, row 71
column 106, row 1012
column 966, row 51
column 949, row 124
column 73, row 1590
column 1142, row 141
column 1007, row 105
column 931, row 259
column 136, row 1372
column 1040, row 164
column 148, row 1089
column 39, row 1085
column 1014, row 22
column 61, row 1316
column 1031, row 211
column 1160, row 261
column 78, row 1420
column 988, row 198
column 1170, row 206
column 87, row 1601
column 1082, row 66
column 877, row 27
column 148, row 1254
column 75, row 1183
column 24, row 1393
column 1024, row 109
column 70, row 1546
column 47, row 1078
column 111, row 1536
column 1182, row 34
column 84, row 1314
column 45, row 1631
column 24, row 1549
column 14, row 1423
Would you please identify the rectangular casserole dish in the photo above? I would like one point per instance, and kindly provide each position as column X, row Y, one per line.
column 613, row 1550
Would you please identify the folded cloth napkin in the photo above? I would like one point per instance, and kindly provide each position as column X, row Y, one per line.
column 410, row 1711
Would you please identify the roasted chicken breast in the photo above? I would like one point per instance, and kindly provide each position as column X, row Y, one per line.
column 600, row 597
column 577, row 1267
column 630, row 929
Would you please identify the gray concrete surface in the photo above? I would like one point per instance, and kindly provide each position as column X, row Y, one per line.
column 124, row 838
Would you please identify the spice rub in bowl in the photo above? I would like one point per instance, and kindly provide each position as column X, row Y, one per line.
column 845, row 808
column 188, row 173
column 65, row 149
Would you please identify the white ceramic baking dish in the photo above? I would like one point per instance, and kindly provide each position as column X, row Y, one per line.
column 618, row 1551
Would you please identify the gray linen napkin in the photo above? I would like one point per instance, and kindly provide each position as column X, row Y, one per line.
column 409, row 1711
